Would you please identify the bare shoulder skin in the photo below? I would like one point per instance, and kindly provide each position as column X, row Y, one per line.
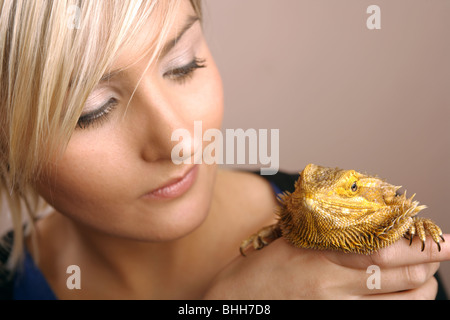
column 347, row 211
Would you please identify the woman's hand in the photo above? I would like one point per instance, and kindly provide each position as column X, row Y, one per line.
column 281, row 271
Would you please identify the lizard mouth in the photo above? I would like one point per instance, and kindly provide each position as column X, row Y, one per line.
column 393, row 195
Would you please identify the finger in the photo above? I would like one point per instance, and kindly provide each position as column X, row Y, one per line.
column 402, row 253
column 397, row 255
column 400, row 278
column 379, row 281
column 427, row 291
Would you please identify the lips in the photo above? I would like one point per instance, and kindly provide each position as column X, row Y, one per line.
column 176, row 187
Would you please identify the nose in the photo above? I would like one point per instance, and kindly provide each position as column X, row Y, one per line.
column 155, row 120
column 166, row 132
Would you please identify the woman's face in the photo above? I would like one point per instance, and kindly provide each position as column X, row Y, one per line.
column 117, row 175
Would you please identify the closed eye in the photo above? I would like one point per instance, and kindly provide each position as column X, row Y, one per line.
column 183, row 73
column 98, row 115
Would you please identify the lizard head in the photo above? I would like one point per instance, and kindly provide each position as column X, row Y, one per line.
column 345, row 191
column 346, row 209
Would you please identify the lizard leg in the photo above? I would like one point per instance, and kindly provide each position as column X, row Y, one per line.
column 422, row 227
column 262, row 238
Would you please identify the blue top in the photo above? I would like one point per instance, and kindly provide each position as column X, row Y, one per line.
column 30, row 283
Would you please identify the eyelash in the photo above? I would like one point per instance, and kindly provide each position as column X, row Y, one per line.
column 97, row 116
column 182, row 74
column 179, row 75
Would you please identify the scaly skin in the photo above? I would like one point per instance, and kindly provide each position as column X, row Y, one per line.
column 335, row 209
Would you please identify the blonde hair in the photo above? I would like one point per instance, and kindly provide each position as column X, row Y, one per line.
column 48, row 66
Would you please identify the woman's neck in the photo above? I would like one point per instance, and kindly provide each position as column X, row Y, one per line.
column 128, row 267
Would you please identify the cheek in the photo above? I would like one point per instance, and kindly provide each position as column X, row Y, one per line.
column 217, row 98
column 84, row 177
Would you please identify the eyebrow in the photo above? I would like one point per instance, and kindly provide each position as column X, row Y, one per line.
column 166, row 48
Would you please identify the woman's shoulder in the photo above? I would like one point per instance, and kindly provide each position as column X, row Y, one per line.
column 250, row 197
column 251, row 183
column 243, row 185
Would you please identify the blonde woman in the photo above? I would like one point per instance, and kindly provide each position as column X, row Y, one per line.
column 91, row 92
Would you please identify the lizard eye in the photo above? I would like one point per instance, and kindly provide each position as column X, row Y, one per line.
column 354, row 187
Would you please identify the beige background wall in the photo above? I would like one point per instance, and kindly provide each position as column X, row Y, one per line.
column 342, row 95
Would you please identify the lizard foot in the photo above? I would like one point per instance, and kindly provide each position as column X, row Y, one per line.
column 262, row 238
column 421, row 227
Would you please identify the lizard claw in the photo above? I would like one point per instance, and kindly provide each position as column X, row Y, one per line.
column 261, row 239
column 423, row 227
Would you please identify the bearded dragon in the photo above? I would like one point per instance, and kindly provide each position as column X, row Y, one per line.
column 335, row 209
